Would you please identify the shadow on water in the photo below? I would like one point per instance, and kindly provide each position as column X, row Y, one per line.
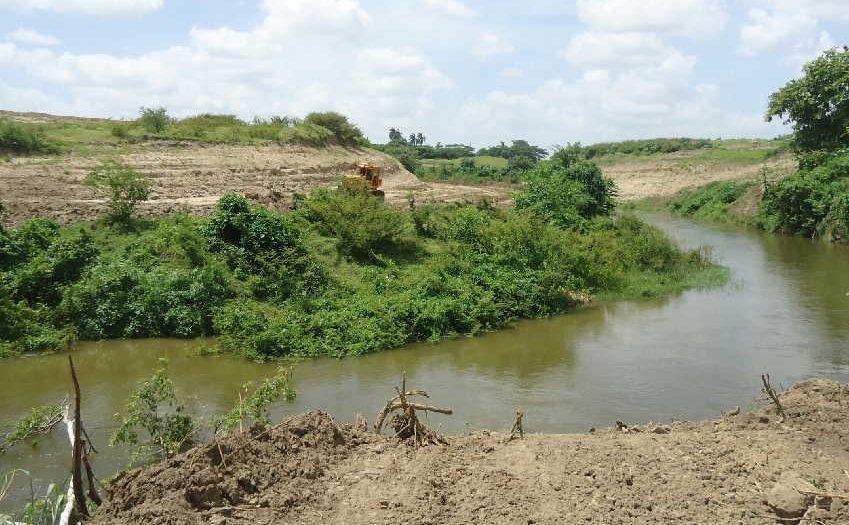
column 685, row 357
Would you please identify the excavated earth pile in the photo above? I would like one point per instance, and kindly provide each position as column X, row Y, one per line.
column 742, row 468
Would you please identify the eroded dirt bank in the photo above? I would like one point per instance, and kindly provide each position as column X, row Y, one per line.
column 308, row 469
column 191, row 177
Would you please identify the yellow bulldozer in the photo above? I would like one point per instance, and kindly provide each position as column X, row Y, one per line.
column 366, row 177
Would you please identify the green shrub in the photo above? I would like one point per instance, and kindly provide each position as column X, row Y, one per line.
column 122, row 185
column 362, row 223
column 120, row 130
column 710, row 202
column 16, row 137
column 341, row 128
column 808, row 202
column 154, row 408
column 154, row 120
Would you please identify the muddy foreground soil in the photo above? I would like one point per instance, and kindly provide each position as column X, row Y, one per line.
column 741, row 468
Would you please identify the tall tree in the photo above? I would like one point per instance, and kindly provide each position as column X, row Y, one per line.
column 817, row 105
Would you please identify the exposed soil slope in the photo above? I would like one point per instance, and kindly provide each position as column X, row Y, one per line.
column 309, row 470
column 192, row 177
column 666, row 175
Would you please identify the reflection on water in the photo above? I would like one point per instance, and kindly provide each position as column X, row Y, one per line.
column 683, row 357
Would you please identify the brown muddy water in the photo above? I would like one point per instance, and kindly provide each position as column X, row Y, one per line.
column 688, row 356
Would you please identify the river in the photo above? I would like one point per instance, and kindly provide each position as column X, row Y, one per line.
column 689, row 356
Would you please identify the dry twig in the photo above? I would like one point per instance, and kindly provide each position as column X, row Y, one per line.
column 517, row 426
column 768, row 390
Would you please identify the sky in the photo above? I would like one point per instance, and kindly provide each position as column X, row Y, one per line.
column 459, row 71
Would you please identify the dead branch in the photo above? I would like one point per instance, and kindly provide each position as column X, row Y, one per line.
column 517, row 426
column 381, row 416
column 405, row 420
column 768, row 390
column 76, row 465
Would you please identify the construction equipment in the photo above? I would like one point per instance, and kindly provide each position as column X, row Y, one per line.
column 366, row 178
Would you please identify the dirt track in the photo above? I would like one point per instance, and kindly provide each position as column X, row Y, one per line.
column 308, row 470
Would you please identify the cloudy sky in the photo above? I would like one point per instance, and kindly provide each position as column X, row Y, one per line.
column 469, row 71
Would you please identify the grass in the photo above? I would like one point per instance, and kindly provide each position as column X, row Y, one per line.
column 96, row 137
column 725, row 152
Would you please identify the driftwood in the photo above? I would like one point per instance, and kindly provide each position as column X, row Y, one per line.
column 768, row 390
column 405, row 421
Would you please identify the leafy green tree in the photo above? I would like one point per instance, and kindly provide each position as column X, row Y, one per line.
column 817, row 105
column 122, row 185
column 395, row 135
column 154, row 120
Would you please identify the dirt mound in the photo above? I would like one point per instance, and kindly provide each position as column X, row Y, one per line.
column 742, row 468
column 270, row 472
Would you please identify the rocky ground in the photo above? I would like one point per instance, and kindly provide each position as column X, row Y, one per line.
column 742, row 468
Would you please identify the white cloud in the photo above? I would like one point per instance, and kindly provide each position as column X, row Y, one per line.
column 395, row 85
column 617, row 50
column 93, row 7
column 490, row 45
column 692, row 18
column 791, row 27
column 32, row 37
column 263, row 69
column 450, row 8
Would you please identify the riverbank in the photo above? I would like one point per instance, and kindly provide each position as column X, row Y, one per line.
column 740, row 468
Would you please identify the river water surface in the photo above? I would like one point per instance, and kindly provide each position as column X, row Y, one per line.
column 785, row 312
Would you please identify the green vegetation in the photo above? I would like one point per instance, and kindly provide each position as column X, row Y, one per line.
column 342, row 275
column 31, row 425
column 98, row 136
column 710, row 202
column 154, row 120
column 253, row 408
column 23, row 139
column 123, row 185
column 153, row 407
column 645, row 147
column 459, row 163
column 40, row 509
column 815, row 200
column 817, row 105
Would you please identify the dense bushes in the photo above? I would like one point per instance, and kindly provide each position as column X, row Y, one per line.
column 645, row 147
column 16, row 137
column 342, row 275
column 812, row 202
column 566, row 196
